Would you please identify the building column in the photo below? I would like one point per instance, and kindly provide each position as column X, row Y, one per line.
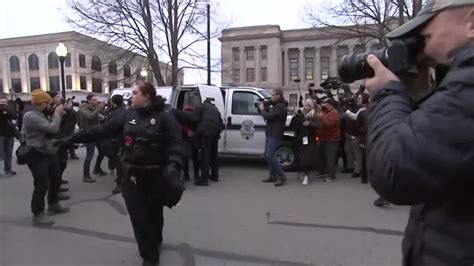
column 5, row 73
column 317, row 67
column 23, row 73
column 74, row 74
column 301, row 66
column 286, row 68
column 43, row 70
column 333, row 61
column 257, row 58
column 243, row 71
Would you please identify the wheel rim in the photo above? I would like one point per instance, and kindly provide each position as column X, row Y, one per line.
column 285, row 156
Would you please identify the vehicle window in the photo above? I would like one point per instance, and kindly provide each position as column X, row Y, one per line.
column 188, row 97
column 243, row 103
column 266, row 93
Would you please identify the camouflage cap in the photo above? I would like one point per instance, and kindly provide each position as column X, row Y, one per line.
column 428, row 11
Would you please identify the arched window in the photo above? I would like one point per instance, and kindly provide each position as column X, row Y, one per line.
column 127, row 72
column 96, row 64
column 112, row 68
column 33, row 62
column 53, row 61
column 14, row 64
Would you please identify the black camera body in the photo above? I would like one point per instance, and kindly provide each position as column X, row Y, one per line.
column 400, row 57
column 76, row 104
column 267, row 103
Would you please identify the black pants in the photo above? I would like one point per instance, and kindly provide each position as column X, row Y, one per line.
column 98, row 161
column 342, row 153
column 145, row 208
column 328, row 151
column 72, row 152
column 45, row 169
column 209, row 157
column 195, row 158
column 115, row 163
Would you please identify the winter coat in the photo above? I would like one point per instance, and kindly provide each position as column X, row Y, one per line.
column 423, row 156
column 330, row 126
column 276, row 120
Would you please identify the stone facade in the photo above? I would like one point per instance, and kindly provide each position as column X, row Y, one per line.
column 28, row 63
column 268, row 57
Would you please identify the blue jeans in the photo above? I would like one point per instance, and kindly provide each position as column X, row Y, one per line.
column 90, row 148
column 6, row 148
column 271, row 145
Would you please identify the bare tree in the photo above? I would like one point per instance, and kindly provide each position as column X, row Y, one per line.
column 365, row 20
column 164, row 31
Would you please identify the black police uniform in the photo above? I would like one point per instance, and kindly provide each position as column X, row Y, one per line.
column 151, row 154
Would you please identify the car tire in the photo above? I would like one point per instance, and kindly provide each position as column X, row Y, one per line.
column 286, row 156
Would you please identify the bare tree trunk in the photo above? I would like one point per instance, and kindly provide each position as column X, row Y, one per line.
column 152, row 56
column 401, row 4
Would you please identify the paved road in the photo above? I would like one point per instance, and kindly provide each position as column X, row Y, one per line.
column 238, row 221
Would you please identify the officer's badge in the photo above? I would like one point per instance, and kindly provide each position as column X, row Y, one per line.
column 152, row 121
column 248, row 129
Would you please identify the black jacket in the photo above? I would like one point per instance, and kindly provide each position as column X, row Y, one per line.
column 276, row 120
column 206, row 118
column 424, row 157
column 149, row 136
column 7, row 128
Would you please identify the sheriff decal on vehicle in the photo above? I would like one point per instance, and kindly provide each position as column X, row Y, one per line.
column 248, row 129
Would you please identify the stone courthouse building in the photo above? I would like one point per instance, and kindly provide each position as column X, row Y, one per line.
column 268, row 57
column 28, row 63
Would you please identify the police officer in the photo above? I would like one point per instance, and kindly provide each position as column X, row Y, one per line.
column 209, row 125
column 152, row 163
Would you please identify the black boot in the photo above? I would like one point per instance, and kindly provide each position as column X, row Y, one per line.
column 99, row 172
column 147, row 263
column 381, row 202
column 270, row 179
column 280, row 182
column 57, row 209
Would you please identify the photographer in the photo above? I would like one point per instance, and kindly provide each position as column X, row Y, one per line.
column 7, row 135
column 43, row 163
column 423, row 155
column 276, row 120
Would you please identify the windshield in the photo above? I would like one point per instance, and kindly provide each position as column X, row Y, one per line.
column 266, row 93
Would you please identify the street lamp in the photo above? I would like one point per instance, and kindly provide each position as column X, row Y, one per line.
column 208, row 5
column 61, row 51
column 144, row 73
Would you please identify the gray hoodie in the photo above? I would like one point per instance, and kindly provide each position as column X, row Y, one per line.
column 38, row 130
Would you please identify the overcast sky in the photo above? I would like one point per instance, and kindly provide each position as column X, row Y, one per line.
column 31, row 17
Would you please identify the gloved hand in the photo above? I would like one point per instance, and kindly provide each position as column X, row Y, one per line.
column 172, row 171
column 61, row 142
column 174, row 186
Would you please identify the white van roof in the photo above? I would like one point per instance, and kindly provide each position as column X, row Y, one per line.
column 126, row 93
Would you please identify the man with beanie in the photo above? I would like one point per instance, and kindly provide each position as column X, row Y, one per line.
column 43, row 164
column 330, row 136
column 89, row 117
column 7, row 134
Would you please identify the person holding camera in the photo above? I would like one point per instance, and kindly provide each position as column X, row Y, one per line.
column 306, row 125
column 422, row 155
column 7, row 136
column 276, row 120
column 44, row 164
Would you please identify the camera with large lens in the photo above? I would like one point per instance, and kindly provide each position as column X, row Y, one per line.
column 76, row 104
column 266, row 103
column 399, row 57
